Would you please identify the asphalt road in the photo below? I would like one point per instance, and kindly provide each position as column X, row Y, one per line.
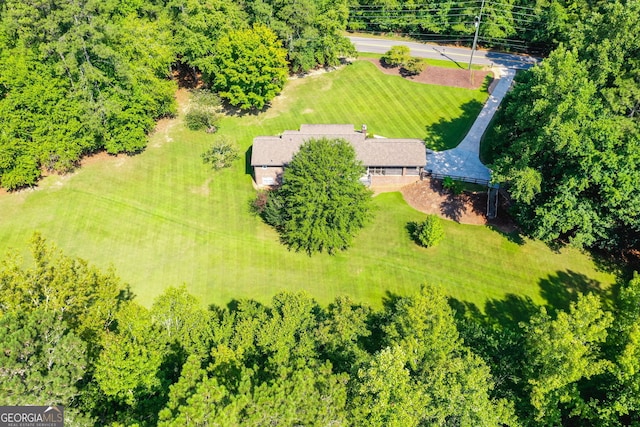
column 459, row 55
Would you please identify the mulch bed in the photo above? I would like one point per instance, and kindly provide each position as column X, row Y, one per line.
column 439, row 76
column 430, row 197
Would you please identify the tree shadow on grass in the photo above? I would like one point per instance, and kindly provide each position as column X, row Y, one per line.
column 563, row 287
column 514, row 236
column 448, row 133
column 411, row 228
column 559, row 290
column 505, row 313
column 376, row 322
column 235, row 111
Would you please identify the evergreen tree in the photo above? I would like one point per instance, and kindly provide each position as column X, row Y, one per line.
column 324, row 204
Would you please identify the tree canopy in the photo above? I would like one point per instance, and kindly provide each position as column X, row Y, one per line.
column 75, row 78
column 79, row 77
column 567, row 138
column 323, row 203
column 514, row 25
column 415, row 361
column 248, row 68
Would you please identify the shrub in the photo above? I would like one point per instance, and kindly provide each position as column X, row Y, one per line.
column 396, row 56
column 414, row 66
column 268, row 205
column 221, row 154
column 429, row 232
column 204, row 111
column 456, row 187
column 198, row 118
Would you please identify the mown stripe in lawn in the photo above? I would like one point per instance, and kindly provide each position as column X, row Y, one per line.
column 159, row 232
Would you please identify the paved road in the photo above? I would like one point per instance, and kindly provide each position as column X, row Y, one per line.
column 459, row 55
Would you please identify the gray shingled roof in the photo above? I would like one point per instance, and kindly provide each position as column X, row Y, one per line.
column 279, row 150
column 391, row 152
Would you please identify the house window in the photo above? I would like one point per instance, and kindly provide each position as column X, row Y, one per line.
column 393, row 171
column 413, row 171
column 373, row 170
column 264, row 166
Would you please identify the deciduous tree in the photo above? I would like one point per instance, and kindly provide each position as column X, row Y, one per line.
column 560, row 353
column 248, row 67
column 324, row 203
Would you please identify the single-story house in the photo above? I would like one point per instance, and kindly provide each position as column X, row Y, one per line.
column 388, row 161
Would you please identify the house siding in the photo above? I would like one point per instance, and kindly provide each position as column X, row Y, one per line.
column 271, row 175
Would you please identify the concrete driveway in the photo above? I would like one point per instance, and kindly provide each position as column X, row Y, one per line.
column 463, row 161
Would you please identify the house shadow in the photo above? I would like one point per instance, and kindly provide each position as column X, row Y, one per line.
column 448, row 133
column 248, row 170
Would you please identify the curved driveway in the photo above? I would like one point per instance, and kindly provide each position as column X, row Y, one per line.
column 462, row 162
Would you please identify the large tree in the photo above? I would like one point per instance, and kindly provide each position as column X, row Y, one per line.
column 323, row 203
column 76, row 77
column 561, row 353
column 311, row 30
column 567, row 140
column 248, row 68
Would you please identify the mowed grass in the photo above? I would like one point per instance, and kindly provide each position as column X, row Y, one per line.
column 442, row 63
column 163, row 218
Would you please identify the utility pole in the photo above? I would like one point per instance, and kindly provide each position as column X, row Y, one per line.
column 475, row 38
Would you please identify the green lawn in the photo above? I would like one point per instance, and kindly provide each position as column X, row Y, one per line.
column 432, row 62
column 163, row 218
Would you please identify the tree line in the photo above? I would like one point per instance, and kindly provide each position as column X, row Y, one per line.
column 566, row 141
column 77, row 77
column 73, row 335
column 516, row 25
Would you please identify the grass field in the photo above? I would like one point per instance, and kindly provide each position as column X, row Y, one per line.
column 432, row 62
column 163, row 218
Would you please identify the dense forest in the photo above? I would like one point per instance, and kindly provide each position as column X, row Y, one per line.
column 73, row 335
column 567, row 144
column 82, row 76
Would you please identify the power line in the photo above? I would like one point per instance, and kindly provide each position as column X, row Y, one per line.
column 514, row 18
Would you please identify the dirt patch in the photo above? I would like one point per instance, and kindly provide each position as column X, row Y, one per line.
column 430, row 197
column 99, row 157
column 182, row 98
column 439, row 75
